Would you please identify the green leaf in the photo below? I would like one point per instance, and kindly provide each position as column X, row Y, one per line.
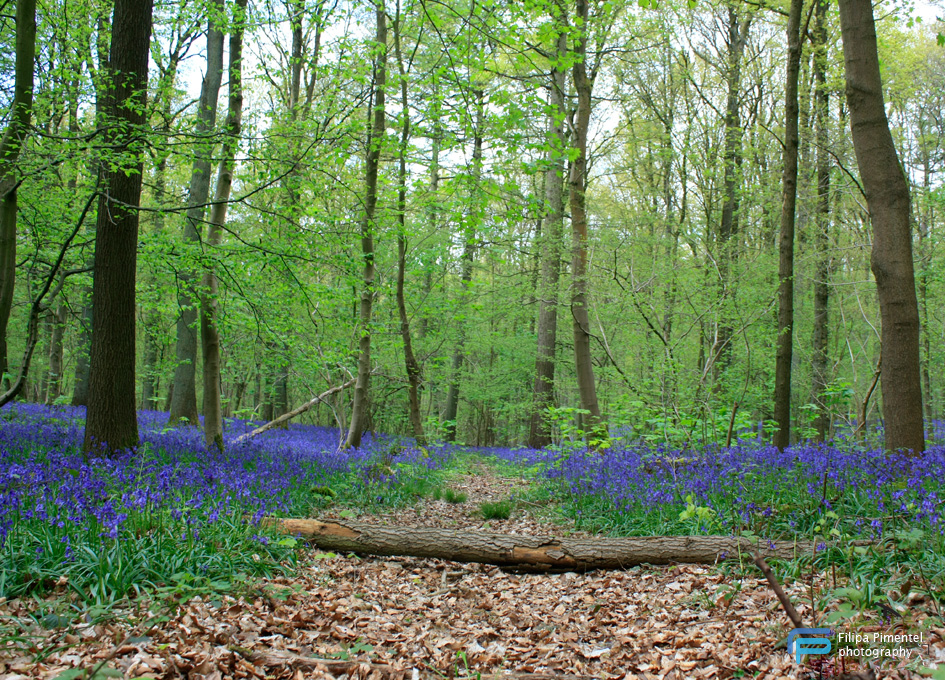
column 71, row 674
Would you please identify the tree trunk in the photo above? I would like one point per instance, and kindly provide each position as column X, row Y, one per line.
column 54, row 381
column 111, row 422
column 209, row 332
column 584, row 85
column 368, row 227
column 819, row 342
column 10, row 146
column 470, row 236
column 414, row 375
column 539, row 553
column 80, row 393
column 785, row 342
column 150, row 382
column 549, row 245
column 888, row 200
column 925, row 260
column 184, row 402
column 728, row 234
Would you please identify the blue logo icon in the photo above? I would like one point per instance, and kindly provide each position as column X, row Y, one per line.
column 808, row 645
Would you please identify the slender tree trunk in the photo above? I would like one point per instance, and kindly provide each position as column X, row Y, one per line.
column 414, row 375
column 785, row 343
column 888, row 200
column 583, row 84
column 10, row 146
column 184, row 402
column 432, row 207
column 111, row 423
column 150, row 382
column 925, row 260
column 549, row 245
column 819, row 361
column 728, row 234
column 80, row 393
column 375, row 142
column 209, row 332
column 470, row 236
column 54, row 382
column 280, row 394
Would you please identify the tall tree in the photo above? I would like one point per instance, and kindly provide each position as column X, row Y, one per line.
column 184, row 399
column 111, row 422
column 889, row 203
column 368, row 227
column 577, row 184
column 98, row 71
column 471, row 224
column 414, row 375
column 209, row 330
column 785, row 342
column 821, row 331
column 10, row 146
column 730, row 222
column 539, row 433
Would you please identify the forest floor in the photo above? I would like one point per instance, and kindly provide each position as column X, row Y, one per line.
column 424, row 618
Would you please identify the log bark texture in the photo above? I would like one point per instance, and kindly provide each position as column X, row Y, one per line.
column 530, row 553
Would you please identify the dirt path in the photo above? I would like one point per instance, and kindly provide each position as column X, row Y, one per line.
column 418, row 618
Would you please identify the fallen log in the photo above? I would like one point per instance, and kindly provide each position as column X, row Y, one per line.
column 294, row 412
column 529, row 553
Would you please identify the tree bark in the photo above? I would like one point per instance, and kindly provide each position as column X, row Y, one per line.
column 111, row 422
column 368, row 226
column 10, row 146
column 889, row 203
column 584, row 85
column 541, row 553
column 54, row 381
column 785, row 342
column 209, row 331
column 150, row 378
column 80, row 393
column 184, row 401
column 414, row 374
column 150, row 383
column 470, row 236
column 549, row 245
column 821, row 332
column 729, row 225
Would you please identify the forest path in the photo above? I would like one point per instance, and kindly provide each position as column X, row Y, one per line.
column 411, row 618
column 480, row 483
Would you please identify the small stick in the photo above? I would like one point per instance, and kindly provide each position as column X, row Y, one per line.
column 776, row 587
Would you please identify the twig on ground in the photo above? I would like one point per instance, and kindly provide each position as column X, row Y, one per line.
column 776, row 587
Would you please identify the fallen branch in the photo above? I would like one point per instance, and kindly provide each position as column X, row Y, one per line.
column 291, row 414
column 541, row 553
column 779, row 591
